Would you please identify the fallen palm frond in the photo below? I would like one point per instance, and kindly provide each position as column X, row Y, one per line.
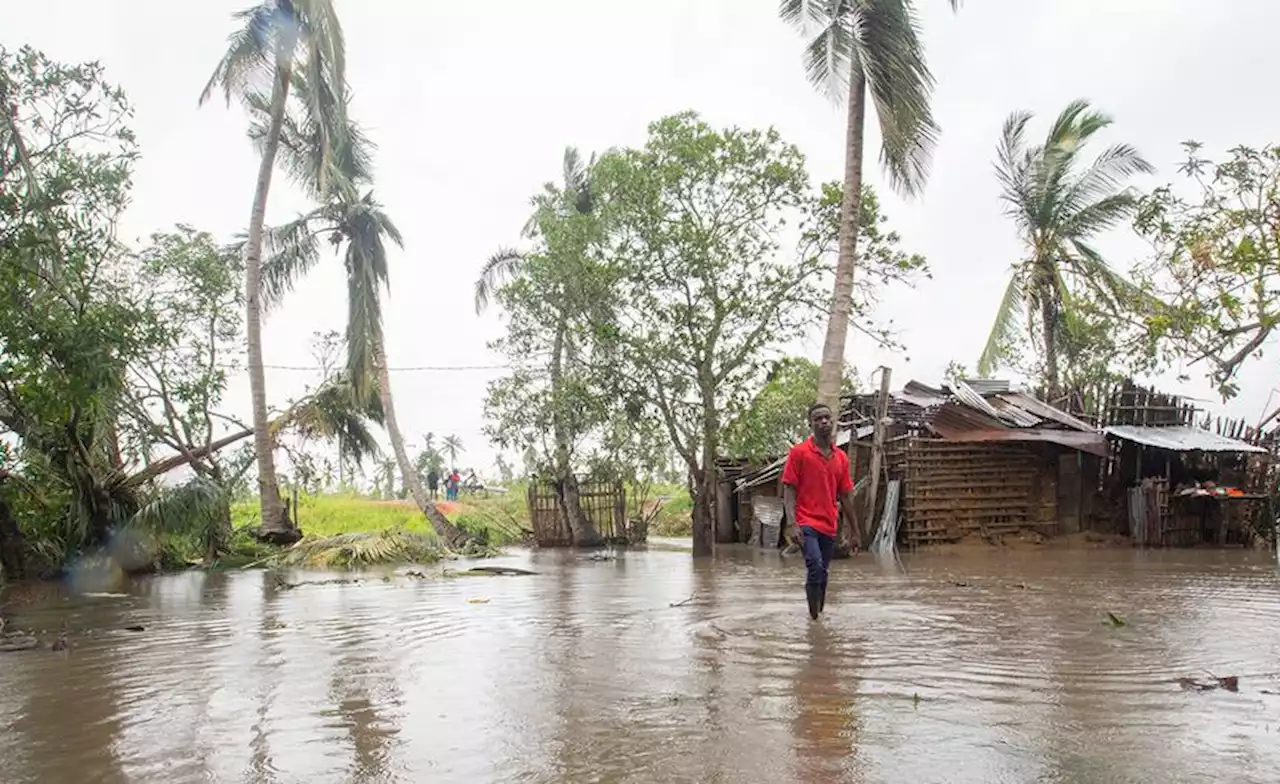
column 356, row 550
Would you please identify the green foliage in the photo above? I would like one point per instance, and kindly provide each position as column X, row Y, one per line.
column 1062, row 286
column 1212, row 289
column 357, row 550
column 777, row 416
column 69, row 331
column 704, row 290
column 557, row 300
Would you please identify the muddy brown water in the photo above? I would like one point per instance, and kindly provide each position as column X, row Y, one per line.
column 584, row 672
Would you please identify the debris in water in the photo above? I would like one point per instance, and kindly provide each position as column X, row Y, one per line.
column 477, row 601
column 683, row 602
column 961, row 584
column 102, row 595
column 137, row 627
column 1115, row 621
column 1229, row 683
column 915, row 699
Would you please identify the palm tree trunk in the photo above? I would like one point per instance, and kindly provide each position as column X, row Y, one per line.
column 1049, row 325
column 450, row 533
column 274, row 517
column 831, row 372
column 582, row 530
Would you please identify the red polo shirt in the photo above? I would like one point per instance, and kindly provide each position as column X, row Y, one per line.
column 819, row 480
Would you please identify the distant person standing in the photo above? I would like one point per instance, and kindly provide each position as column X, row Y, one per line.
column 815, row 487
column 454, row 481
column 433, row 483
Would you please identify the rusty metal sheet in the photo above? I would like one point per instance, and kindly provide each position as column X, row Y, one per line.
column 1014, row 413
column 1180, row 438
column 1043, row 410
column 1093, row 443
column 965, row 394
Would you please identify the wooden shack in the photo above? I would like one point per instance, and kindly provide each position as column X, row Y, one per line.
column 991, row 461
column 1174, row 478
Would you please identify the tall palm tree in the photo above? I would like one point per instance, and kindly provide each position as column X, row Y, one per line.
column 355, row 224
column 1059, row 204
column 859, row 48
column 572, row 197
column 278, row 39
column 453, row 448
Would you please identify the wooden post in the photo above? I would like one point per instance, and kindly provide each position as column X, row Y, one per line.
column 877, row 452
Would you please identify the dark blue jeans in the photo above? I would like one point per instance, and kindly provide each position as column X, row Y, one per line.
column 818, row 549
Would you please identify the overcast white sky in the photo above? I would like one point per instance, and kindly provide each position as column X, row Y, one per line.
column 472, row 104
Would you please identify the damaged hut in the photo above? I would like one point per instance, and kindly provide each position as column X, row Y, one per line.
column 1171, row 482
column 975, row 458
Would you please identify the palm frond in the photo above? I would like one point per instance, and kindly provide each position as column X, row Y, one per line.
column 336, row 412
column 289, row 252
column 357, row 550
column 1014, row 165
column 500, row 267
column 900, row 84
column 365, row 226
column 197, row 508
column 340, row 160
column 1004, row 329
column 828, row 57
column 249, row 60
column 805, row 15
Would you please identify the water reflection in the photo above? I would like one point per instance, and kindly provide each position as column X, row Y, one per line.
column 974, row 667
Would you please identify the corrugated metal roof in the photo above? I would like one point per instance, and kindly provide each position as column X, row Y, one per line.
column 1180, row 438
column 1043, row 410
column 966, row 394
column 920, row 395
column 1092, row 443
column 987, row 386
column 1013, row 412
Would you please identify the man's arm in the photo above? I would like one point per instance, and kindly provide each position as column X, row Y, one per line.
column 847, row 507
column 789, row 508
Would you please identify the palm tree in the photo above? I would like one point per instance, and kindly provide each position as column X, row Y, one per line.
column 356, row 224
column 1058, row 204
column 278, row 39
column 453, row 448
column 856, row 48
column 573, row 197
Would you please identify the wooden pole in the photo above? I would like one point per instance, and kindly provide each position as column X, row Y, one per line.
column 877, row 451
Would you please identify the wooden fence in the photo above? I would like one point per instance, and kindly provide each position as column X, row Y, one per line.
column 603, row 502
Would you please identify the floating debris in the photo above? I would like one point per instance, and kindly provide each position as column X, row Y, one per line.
column 1229, row 683
column 477, row 601
column 1115, row 621
column 137, row 627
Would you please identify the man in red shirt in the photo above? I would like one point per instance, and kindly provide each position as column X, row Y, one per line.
column 815, row 478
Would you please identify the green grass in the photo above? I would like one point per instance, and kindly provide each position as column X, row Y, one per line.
column 497, row 518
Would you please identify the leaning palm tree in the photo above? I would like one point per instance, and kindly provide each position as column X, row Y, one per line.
column 278, row 39
column 573, row 197
column 861, row 48
column 357, row 226
column 1059, row 203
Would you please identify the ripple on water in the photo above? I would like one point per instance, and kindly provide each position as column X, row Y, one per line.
column 990, row 669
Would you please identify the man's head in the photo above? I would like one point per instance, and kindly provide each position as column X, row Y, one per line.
column 820, row 421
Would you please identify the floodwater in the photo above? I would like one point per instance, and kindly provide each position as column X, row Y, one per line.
column 983, row 666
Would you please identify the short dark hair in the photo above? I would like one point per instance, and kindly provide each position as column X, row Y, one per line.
column 817, row 406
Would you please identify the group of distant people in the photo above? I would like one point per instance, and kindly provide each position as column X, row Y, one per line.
column 452, row 483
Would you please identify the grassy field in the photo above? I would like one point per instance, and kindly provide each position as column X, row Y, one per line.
column 498, row 516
